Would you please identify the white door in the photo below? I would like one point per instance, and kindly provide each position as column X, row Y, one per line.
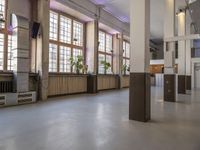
column 197, row 76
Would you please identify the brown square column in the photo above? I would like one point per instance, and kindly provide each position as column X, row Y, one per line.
column 139, row 107
column 170, row 91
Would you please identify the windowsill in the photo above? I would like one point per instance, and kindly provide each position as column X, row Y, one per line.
column 66, row 74
column 107, row 74
column 6, row 73
column 126, row 75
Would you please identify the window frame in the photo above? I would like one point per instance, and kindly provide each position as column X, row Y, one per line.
column 125, row 58
column 71, row 45
column 105, row 53
column 6, row 33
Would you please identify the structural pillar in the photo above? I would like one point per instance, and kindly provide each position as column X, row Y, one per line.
column 169, row 53
column 139, row 99
column 92, row 30
column 181, row 54
column 118, row 57
column 188, row 54
column 20, row 52
column 42, row 66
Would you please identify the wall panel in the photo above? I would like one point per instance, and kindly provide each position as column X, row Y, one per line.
column 62, row 84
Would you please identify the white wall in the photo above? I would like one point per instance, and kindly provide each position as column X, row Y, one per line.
column 194, row 62
column 160, row 62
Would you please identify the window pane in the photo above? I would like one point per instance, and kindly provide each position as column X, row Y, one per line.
column 124, row 49
column 128, row 65
column 77, row 33
column 76, row 52
column 108, row 43
column 65, row 55
column 127, row 50
column 65, row 29
column 1, row 50
column 53, row 34
column 124, row 61
column 101, row 67
column 109, row 60
column 102, row 37
column 10, row 54
column 2, row 13
column 52, row 58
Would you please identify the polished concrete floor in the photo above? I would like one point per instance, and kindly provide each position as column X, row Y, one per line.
column 100, row 122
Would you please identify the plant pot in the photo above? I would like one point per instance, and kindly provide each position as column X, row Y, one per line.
column 77, row 71
column 124, row 72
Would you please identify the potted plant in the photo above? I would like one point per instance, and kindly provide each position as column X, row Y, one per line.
column 125, row 68
column 106, row 65
column 77, row 63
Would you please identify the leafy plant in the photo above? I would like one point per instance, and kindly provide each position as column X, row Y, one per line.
column 125, row 68
column 106, row 65
column 77, row 63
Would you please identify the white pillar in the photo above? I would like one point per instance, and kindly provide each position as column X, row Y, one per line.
column 169, row 31
column 140, row 35
column 181, row 44
column 139, row 106
column 188, row 45
column 92, row 46
column 21, row 53
column 170, row 93
column 117, row 53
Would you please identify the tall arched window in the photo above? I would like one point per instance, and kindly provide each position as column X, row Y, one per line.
column 65, row 41
column 5, row 39
column 105, row 51
column 126, row 55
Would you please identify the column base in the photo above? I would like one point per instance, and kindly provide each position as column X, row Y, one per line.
column 188, row 83
column 181, row 84
column 92, row 84
column 119, row 78
column 170, row 88
column 140, row 97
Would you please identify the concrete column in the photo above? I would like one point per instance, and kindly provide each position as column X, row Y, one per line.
column 181, row 54
column 188, row 46
column 118, row 56
column 92, row 31
column 34, row 14
column 20, row 53
column 139, row 107
column 169, row 52
column 43, row 48
column 92, row 46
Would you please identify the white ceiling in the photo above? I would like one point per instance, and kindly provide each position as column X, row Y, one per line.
column 120, row 9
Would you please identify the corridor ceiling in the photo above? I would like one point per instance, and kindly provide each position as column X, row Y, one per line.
column 120, row 9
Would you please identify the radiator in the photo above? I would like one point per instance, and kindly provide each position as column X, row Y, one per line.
column 24, row 98
column 6, row 86
column 12, row 99
column 2, row 100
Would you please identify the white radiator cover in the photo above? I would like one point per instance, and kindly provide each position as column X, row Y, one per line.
column 12, row 99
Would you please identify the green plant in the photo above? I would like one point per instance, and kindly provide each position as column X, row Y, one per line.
column 77, row 63
column 125, row 68
column 106, row 65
